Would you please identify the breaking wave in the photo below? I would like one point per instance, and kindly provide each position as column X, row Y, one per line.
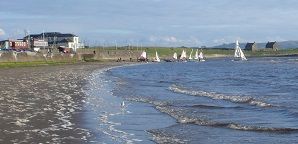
column 213, row 95
column 212, row 107
column 182, row 117
column 161, row 137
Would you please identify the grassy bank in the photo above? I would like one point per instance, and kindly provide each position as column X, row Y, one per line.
column 166, row 52
column 109, row 54
column 32, row 64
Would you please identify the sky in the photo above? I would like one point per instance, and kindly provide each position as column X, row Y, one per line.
column 153, row 22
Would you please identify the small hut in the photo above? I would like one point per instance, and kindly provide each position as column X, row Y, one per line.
column 251, row 46
column 272, row 46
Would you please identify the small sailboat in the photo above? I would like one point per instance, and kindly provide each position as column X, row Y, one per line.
column 156, row 57
column 190, row 55
column 201, row 56
column 143, row 56
column 175, row 56
column 183, row 56
column 238, row 55
column 122, row 104
column 196, row 57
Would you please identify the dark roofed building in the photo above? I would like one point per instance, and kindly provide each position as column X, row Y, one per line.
column 66, row 41
column 57, row 34
column 251, row 46
column 56, row 39
column 272, row 45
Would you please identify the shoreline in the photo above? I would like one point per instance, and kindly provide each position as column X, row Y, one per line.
column 113, row 123
column 44, row 104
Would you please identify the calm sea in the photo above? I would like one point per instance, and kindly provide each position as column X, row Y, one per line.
column 217, row 101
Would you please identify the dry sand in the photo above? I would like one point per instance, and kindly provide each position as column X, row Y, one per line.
column 44, row 104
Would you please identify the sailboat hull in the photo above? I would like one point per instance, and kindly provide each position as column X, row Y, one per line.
column 170, row 60
column 142, row 60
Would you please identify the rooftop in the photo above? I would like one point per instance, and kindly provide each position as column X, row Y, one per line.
column 51, row 34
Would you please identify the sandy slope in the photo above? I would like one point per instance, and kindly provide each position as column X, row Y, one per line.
column 44, row 104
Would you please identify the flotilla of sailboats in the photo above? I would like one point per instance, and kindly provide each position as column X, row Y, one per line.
column 199, row 56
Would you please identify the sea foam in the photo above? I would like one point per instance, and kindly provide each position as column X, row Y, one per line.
column 213, row 95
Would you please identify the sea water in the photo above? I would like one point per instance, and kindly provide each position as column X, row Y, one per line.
column 216, row 101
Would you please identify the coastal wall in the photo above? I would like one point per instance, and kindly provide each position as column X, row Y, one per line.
column 100, row 54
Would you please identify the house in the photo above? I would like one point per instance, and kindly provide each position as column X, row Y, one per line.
column 11, row 44
column 251, row 46
column 272, row 46
column 38, row 44
column 56, row 39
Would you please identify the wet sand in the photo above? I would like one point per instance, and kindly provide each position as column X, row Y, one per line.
column 44, row 104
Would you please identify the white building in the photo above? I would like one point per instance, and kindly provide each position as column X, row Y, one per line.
column 56, row 39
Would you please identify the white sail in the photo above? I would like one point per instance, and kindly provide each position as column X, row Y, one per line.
column 238, row 52
column 183, row 55
column 201, row 56
column 157, row 57
column 196, row 55
column 143, row 55
column 190, row 57
column 175, row 56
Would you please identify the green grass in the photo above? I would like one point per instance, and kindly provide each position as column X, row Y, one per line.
column 163, row 52
column 262, row 53
column 32, row 64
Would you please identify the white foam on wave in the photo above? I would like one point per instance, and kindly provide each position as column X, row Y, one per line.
column 213, row 95
column 181, row 117
column 168, row 139
column 260, row 129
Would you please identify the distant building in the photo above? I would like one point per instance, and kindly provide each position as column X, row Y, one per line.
column 14, row 44
column 251, row 46
column 57, row 39
column 37, row 44
column 271, row 45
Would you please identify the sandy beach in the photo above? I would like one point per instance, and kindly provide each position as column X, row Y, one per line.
column 44, row 104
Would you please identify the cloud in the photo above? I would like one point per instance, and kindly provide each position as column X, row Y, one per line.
column 114, row 31
column 169, row 39
column 229, row 39
column 2, row 32
column 220, row 41
column 175, row 41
